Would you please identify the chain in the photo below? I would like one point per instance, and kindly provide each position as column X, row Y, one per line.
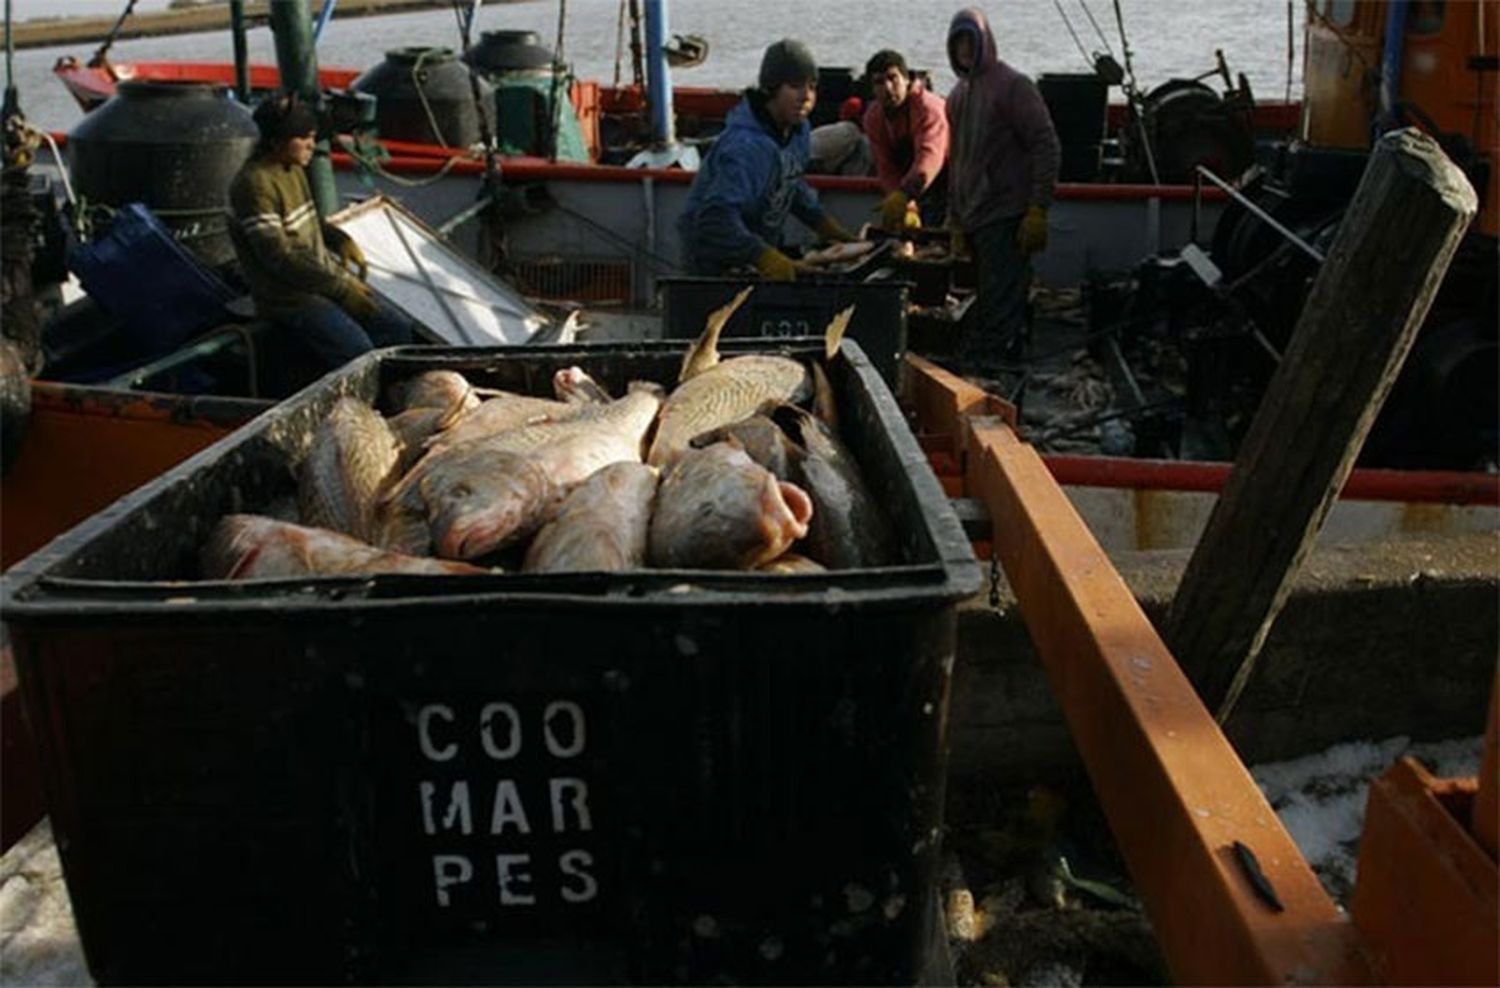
column 994, row 579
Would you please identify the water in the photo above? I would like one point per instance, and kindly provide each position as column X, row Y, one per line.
column 1168, row 38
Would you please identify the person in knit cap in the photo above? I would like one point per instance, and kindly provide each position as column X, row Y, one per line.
column 1002, row 170
column 306, row 276
column 908, row 131
column 753, row 178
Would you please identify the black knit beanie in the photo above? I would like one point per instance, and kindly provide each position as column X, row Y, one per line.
column 789, row 63
column 282, row 117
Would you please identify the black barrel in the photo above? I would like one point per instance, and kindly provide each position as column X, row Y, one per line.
column 174, row 146
column 1078, row 104
column 509, row 53
column 424, row 95
column 690, row 776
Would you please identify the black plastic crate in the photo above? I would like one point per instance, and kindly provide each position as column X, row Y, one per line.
column 777, row 310
column 684, row 776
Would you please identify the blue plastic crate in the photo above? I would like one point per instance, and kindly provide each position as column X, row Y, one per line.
column 161, row 293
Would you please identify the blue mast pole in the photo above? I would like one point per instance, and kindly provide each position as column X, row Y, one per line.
column 658, row 76
column 1391, row 56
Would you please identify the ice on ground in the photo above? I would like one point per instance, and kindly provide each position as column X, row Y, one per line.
column 38, row 939
column 1321, row 798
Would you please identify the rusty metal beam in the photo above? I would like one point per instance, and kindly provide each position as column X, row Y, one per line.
column 1177, row 796
column 941, row 399
column 1425, row 898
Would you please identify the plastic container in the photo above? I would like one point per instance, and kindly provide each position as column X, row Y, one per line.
column 161, row 293
column 651, row 776
column 788, row 309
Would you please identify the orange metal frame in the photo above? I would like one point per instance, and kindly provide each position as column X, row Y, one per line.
column 1177, row 796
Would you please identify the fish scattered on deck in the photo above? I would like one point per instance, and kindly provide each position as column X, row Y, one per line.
column 350, row 462
column 601, row 526
column 718, row 509
column 253, row 547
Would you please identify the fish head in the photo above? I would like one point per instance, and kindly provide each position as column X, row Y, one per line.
column 474, row 511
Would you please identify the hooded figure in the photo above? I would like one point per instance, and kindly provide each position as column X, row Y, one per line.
column 753, row 178
column 1002, row 170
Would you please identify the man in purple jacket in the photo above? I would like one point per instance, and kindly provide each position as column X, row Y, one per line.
column 1002, row 169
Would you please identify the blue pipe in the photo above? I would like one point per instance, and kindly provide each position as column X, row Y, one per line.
column 324, row 16
column 658, row 78
column 1391, row 56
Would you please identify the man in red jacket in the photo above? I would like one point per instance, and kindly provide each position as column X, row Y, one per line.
column 1001, row 175
column 908, row 133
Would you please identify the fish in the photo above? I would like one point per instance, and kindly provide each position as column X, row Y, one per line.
column 501, row 414
column 601, row 526
column 435, row 389
column 466, row 502
column 351, row 459
column 474, row 497
column 703, row 354
column 790, row 563
column 254, row 547
column 573, row 384
column 714, row 393
column 718, row 509
column 761, row 439
column 849, row 529
column 414, row 429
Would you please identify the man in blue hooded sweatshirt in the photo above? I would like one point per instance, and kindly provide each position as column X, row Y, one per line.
column 753, row 177
column 1002, row 170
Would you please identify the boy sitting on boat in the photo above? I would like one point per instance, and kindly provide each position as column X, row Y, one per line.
column 298, row 267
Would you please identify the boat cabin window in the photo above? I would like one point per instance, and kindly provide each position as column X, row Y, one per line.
column 1341, row 12
column 1425, row 16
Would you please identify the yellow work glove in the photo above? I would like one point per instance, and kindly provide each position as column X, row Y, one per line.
column 359, row 300
column 773, row 265
column 351, row 256
column 831, row 229
column 893, row 212
column 1031, row 235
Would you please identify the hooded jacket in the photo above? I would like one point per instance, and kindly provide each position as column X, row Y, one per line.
column 1005, row 152
column 750, row 181
column 922, row 123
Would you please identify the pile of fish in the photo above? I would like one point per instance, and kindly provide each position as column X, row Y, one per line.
column 739, row 467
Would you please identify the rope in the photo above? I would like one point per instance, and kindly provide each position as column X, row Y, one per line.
column 553, row 127
column 1072, row 33
column 422, row 95
column 372, row 164
column 1290, row 49
column 619, row 42
column 62, row 165
column 1097, row 29
column 660, row 262
column 114, row 33
column 1133, row 93
column 10, row 53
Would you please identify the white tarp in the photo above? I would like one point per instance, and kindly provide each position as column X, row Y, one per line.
column 413, row 268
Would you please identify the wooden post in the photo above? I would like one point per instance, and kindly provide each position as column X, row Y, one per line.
column 1372, row 293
